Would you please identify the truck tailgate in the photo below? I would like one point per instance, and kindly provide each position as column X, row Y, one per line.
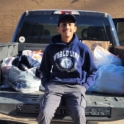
column 99, row 107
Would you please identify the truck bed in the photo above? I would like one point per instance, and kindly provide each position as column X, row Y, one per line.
column 15, row 105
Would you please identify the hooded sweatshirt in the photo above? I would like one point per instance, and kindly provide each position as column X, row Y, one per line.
column 67, row 63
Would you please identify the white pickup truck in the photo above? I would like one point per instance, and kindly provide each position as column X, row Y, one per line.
column 33, row 32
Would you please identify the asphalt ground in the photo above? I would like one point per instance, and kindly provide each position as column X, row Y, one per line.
column 110, row 122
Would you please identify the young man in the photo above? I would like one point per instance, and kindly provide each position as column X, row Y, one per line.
column 68, row 71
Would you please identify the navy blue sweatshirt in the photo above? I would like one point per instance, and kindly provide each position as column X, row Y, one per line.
column 70, row 63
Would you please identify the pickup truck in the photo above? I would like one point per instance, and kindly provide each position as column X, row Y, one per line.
column 33, row 32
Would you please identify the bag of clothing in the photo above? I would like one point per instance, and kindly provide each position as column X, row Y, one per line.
column 23, row 81
column 24, row 62
column 36, row 55
column 110, row 79
column 102, row 57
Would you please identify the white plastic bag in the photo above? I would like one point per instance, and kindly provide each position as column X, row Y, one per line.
column 6, row 64
column 110, row 79
column 23, row 81
column 102, row 57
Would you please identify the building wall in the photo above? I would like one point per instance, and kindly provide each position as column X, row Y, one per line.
column 10, row 10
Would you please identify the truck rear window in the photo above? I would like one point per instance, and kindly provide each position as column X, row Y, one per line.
column 40, row 28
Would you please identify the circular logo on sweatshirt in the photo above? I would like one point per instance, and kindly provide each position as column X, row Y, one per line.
column 66, row 63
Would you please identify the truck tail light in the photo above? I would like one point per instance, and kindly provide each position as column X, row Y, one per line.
column 74, row 12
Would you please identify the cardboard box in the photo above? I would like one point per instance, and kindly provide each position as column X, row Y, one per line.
column 92, row 44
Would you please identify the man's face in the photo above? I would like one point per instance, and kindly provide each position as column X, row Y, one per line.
column 67, row 28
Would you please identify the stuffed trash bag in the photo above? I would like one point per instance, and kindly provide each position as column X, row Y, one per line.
column 110, row 79
column 102, row 57
column 23, row 81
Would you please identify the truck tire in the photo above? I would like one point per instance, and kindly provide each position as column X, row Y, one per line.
column 9, row 122
column 3, row 122
column 91, row 122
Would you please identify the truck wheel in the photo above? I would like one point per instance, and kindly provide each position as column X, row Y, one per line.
column 10, row 122
column 3, row 122
column 91, row 122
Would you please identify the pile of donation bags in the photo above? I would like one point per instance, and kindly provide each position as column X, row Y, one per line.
column 19, row 72
column 110, row 73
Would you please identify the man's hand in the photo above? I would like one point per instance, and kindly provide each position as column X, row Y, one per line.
column 84, row 89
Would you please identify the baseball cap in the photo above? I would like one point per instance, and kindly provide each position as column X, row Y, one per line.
column 66, row 16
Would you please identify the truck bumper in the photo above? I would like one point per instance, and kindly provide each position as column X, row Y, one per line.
column 15, row 106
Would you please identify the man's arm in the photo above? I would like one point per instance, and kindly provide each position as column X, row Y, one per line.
column 45, row 67
column 90, row 69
